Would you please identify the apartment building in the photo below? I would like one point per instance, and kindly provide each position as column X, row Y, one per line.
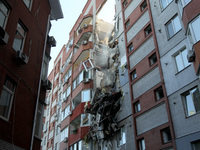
column 25, row 53
column 165, row 87
column 90, row 70
column 150, row 54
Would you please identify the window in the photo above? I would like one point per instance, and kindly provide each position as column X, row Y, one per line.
column 196, row 145
column 20, row 35
column 39, row 120
column 6, row 98
column 45, row 67
column 166, row 135
column 125, row 3
column 137, row 107
column 191, row 100
column 153, row 59
column 130, row 47
column 122, row 136
column 133, row 75
column 56, row 146
column 4, row 11
column 127, row 24
column 27, row 3
column 85, row 120
column 117, row 25
column 159, row 93
column 141, row 144
column 86, row 95
column 165, row 3
column 147, row 30
column 193, row 32
column 143, row 5
column 181, row 60
column 67, row 75
column 65, row 112
column 64, row 133
column 173, row 26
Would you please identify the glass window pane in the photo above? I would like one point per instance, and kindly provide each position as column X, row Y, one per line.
column 196, row 98
column 177, row 24
column 164, row 3
column 85, row 95
column 170, row 30
column 190, row 105
column 195, row 26
column 179, row 62
column 186, row 1
column 2, row 19
column 5, row 101
column 18, row 41
column 27, row 3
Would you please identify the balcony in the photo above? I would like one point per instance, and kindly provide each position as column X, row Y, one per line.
column 84, row 30
column 190, row 11
column 196, row 48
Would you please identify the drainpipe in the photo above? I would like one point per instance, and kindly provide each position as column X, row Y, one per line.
column 38, row 95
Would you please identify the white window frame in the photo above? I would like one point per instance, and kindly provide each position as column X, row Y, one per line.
column 11, row 99
column 89, row 120
column 191, row 33
column 188, row 93
column 64, row 133
column 122, row 136
column 167, row 2
column 40, row 112
column 172, row 22
column 6, row 14
column 137, row 107
column 22, row 35
column 180, row 52
column 82, row 95
column 141, row 144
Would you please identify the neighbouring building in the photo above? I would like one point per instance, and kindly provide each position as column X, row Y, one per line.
column 133, row 84
column 24, row 56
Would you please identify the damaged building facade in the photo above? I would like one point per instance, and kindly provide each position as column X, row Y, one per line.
column 89, row 105
column 130, row 85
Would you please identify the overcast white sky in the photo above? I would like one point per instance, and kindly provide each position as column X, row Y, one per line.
column 60, row 29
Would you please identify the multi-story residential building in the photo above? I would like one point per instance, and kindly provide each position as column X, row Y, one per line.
column 89, row 70
column 148, row 55
column 25, row 53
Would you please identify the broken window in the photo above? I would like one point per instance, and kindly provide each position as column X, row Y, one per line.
column 147, row 30
column 166, row 135
column 85, row 120
column 152, row 59
column 122, row 136
column 159, row 93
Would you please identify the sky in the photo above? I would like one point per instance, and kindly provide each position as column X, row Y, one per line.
column 61, row 28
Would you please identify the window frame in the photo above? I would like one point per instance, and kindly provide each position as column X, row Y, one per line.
column 187, row 93
column 137, row 106
column 148, row 30
column 180, row 52
column 166, row 135
column 11, row 98
column 141, row 144
column 143, row 6
column 5, row 14
column 171, row 21
column 133, row 75
column 25, row 30
column 168, row 3
column 130, row 47
column 127, row 24
column 151, row 59
column 122, row 136
column 157, row 91
column 30, row 4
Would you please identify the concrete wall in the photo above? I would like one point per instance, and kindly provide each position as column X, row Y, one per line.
column 151, row 119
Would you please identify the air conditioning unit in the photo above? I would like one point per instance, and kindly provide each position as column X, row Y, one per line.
column 86, row 80
column 21, row 57
column 85, row 26
column 65, row 139
column 47, row 84
column 84, row 42
column 51, row 41
column 191, row 56
column 3, row 36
